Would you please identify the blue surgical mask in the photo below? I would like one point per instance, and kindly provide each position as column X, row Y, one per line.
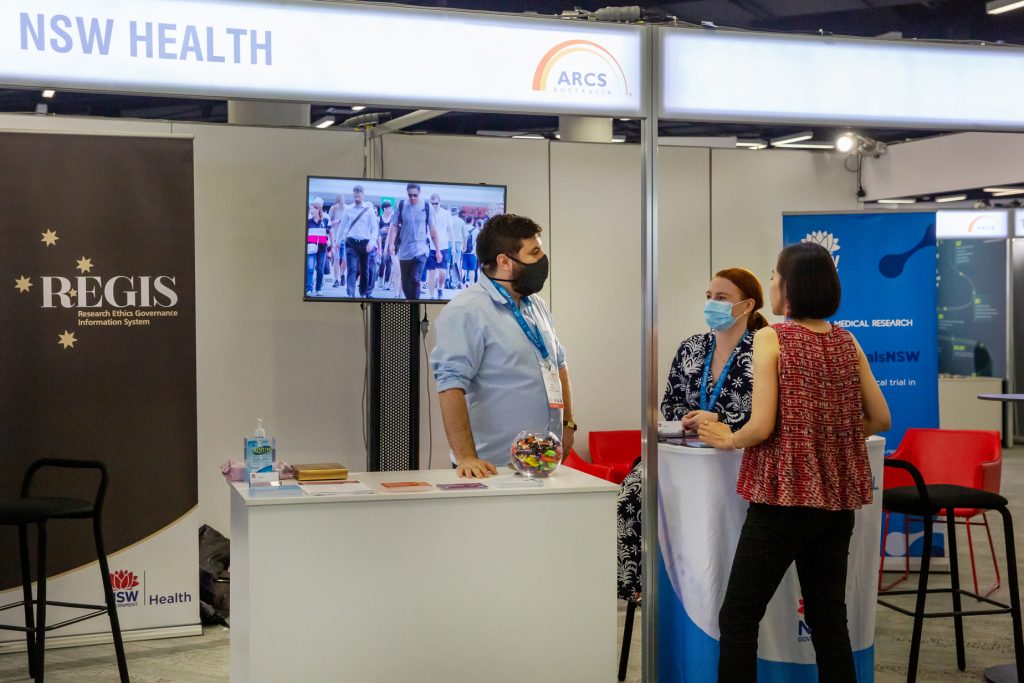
column 718, row 314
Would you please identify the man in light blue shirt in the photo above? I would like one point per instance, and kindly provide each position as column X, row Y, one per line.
column 498, row 364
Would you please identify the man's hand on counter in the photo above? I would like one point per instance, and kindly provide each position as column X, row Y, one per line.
column 475, row 468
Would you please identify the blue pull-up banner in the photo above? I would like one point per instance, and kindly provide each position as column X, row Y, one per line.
column 886, row 264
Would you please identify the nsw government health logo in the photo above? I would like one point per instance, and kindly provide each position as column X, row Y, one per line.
column 130, row 592
column 126, row 588
column 827, row 240
column 580, row 67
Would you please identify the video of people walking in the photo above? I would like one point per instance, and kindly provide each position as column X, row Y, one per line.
column 393, row 240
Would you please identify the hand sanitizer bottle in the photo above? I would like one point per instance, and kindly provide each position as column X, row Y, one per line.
column 260, row 453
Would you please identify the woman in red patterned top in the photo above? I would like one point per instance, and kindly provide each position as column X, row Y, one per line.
column 805, row 468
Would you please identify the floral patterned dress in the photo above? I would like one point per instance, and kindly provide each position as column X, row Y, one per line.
column 682, row 394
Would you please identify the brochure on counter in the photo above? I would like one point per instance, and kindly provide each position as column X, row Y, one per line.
column 347, row 487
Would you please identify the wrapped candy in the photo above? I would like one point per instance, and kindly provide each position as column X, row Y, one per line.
column 536, row 454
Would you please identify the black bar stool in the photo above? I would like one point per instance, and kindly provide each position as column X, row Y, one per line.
column 627, row 637
column 26, row 510
column 926, row 501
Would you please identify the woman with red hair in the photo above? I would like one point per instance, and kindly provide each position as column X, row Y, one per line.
column 711, row 381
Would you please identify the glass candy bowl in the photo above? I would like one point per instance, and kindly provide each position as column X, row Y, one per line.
column 536, row 454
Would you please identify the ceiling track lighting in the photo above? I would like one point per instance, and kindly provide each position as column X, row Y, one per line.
column 951, row 198
column 752, row 144
column 784, row 140
column 855, row 143
column 898, row 200
column 1003, row 6
column 807, row 145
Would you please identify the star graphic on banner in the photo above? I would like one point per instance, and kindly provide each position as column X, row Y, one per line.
column 49, row 237
column 67, row 340
column 22, row 284
column 73, row 293
column 85, row 265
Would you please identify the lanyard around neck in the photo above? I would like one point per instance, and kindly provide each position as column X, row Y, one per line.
column 709, row 402
column 533, row 335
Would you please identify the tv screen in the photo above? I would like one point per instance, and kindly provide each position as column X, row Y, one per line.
column 393, row 240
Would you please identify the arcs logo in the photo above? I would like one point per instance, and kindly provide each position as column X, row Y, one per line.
column 984, row 225
column 580, row 67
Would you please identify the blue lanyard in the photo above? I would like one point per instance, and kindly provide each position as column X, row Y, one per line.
column 533, row 335
column 709, row 402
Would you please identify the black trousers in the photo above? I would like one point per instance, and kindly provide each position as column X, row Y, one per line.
column 412, row 269
column 357, row 265
column 774, row 537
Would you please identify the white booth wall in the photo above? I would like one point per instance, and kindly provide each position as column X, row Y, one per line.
column 262, row 352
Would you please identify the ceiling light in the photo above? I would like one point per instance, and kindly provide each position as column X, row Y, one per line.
column 1001, row 6
column 846, row 143
column 855, row 143
column 752, row 144
column 903, row 200
column 358, row 107
column 1008, row 193
column 953, row 198
column 790, row 139
column 1001, row 190
column 324, row 122
column 808, row 145
column 529, row 136
column 48, row 94
column 618, row 138
column 625, row 119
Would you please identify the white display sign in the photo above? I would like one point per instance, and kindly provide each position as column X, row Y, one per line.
column 155, row 583
column 729, row 76
column 972, row 225
column 323, row 52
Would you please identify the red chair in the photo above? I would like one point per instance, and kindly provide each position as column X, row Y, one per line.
column 971, row 458
column 577, row 463
column 616, row 449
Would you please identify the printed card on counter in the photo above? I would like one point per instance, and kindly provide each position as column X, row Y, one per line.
column 462, row 486
column 405, row 486
column 515, row 481
column 348, row 487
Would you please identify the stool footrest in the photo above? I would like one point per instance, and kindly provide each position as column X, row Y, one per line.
column 68, row 622
column 970, row 594
column 55, row 603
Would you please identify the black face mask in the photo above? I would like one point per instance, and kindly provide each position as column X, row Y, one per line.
column 531, row 276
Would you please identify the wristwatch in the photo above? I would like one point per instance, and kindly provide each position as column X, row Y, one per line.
column 570, row 424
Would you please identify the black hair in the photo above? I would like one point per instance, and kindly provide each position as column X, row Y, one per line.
column 504, row 234
column 411, row 186
column 809, row 280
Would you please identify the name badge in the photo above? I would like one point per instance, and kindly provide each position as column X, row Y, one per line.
column 552, row 384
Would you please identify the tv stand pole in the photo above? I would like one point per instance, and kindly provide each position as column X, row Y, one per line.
column 393, row 417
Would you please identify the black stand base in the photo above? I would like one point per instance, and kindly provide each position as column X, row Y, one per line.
column 393, row 419
column 1004, row 673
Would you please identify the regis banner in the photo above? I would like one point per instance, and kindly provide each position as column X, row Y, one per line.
column 97, row 304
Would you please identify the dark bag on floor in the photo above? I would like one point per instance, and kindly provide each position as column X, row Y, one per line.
column 214, row 576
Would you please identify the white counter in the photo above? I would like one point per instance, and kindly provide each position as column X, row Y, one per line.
column 454, row 586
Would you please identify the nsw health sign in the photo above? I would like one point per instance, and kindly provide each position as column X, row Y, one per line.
column 886, row 264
